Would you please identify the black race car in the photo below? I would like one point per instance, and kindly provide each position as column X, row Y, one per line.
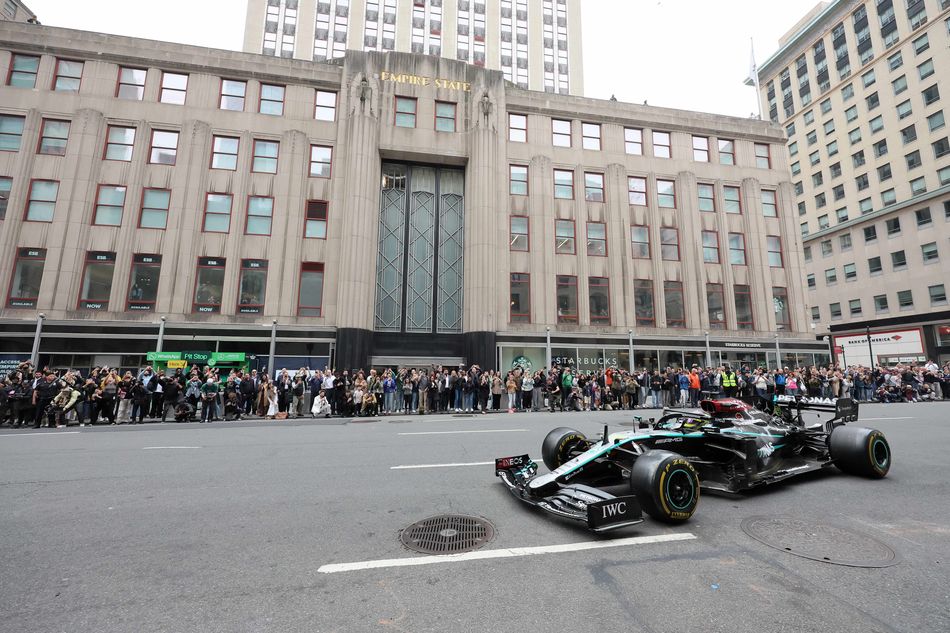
column 660, row 466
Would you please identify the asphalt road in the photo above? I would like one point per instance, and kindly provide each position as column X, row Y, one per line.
column 225, row 527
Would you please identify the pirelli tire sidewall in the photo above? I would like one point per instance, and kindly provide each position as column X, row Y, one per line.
column 666, row 485
column 560, row 445
column 860, row 451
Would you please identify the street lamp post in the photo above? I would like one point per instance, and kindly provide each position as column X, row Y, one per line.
column 273, row 348
column 547, row 348
column 161, row 335
column 35, row 354
column 778, row 354
column 630, row 348
column 831, row 349
column 708, row 352
column 867, row 331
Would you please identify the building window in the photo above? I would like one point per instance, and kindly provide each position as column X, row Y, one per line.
column 593, row 187
column 893, row 226
column 769, row 205
column 731, row 199
column 11, row 131
column 898, row 260
column 517, row 128
column 707, row 197
column 143, row 283
column 68, row 75
column 743, row 297
column 643, row 302
column 209, row 285
column 564, row 184
column 783, row 316
column 599, row 300
column 224, row 153
column 810, row 280
column 520, row 298
column 637, row 190
column 701, row 149
column 444, row 116
column 935, row 121
column 131, row 84
column 272, row 100
column 597, row 239
column 924, row 218
column 640, row 241
column 591, row 136
column 321, row 160
column 96, row 281
column 929, row 252
column 119, row 143
column 727, row 152
column 6, row 184
column 880, row 303
column 110, row 201
column 232, row 95
column 826, row 248
column 763, row 159
column 666, row 194
column 174, row 88
column 711, row 247
column 633, row 141
column 874, row 265
column 315, row 224
column 675, row 304
column 265, row 157
column 23, row 70
column 164, row 148
column 669, row 244
column 518, row 180
column 564, row 237
column 405, row 112
column 941, row 148
column 217, row 213
column 850, row 272
column 252, row 286
column 845, row 242
column 566, row 299
column 662, row 147
column 260, row 211
column 325, row 106
column 27, row 277
column 53, row 137
column 737, row 249
column 560, row 133
column 716, row 306
column 774, row 250
column 938, row 294
column 854, row 307
column 41, row 201
column 154, row 212
column 835, row 310
column 518, row 233
column 905, row 299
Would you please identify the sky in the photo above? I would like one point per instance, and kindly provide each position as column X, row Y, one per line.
column 685, row 54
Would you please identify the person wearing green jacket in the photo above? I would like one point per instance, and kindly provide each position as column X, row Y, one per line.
column 209, row 400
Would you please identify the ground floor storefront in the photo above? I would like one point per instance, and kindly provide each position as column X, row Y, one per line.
column 894, row 341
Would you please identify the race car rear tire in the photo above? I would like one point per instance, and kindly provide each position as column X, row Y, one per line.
column 666, row 485
column 860, row 451
column 560, row 445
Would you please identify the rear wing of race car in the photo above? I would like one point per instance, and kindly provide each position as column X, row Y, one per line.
column 844, row 409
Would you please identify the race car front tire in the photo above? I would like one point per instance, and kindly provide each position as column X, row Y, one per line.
column 666, row 485
column 560, row 445
column 860, row 451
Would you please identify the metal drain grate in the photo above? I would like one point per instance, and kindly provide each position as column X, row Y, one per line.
column 819, row 541
column 447, row 534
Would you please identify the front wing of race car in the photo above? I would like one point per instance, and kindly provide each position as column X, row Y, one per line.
column 598, row 509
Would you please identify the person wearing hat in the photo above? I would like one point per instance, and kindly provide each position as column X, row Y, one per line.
column 729, row 383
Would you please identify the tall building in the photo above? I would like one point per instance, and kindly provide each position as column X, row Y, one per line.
column 858, row 88
column 16, row 11
column 535, row 43
column 389, row 209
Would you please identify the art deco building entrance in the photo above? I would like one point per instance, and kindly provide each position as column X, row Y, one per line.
column 419, row 262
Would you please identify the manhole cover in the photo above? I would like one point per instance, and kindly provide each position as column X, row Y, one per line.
column 819, row 541
column 447, row 534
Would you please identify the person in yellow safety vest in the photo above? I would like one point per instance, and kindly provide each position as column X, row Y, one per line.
column 729, row 384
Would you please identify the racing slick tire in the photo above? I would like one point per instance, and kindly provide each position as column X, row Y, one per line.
column 860, row 451
column 666, row 485
column 559, row 444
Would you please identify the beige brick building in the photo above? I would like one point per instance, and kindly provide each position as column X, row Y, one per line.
column 535, row 43
column 859, row 89
column 389, row 209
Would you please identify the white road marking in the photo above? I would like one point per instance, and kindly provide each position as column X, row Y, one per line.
column 156, row 448
column 439, row 465
column 50, row 433
column 878, row 419
column 459, row 432
column 504, row 553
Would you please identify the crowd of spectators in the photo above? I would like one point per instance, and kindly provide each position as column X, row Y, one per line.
column 33, row 397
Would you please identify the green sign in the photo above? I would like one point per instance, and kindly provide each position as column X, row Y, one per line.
column 163, row 356
column 208, row 358
column 196, row 357
column 229, row 357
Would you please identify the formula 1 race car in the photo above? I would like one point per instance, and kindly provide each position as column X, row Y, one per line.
column 660, row 466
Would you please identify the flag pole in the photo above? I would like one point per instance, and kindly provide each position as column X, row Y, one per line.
column 754, row 75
